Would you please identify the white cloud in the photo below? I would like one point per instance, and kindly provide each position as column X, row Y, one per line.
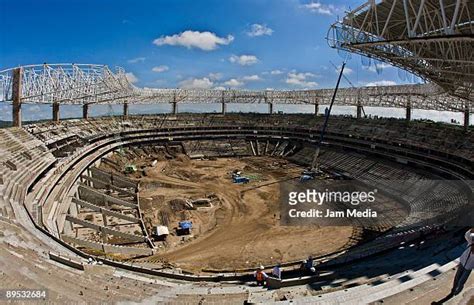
column 159, row 69
column 136, row 60
column 347, row 70
column 300, row 79
column 196, row 83
column 240, row 81
column 244, row 60
column 379, row 66
column 215, row 76
column 259, row 30
column 273, row 72
column 381, row 83
column 234, row 83
column 251, row 78
column 320, row 8
column 211, row 81
column 206, row 41
column 131, row 77
column 301, row 75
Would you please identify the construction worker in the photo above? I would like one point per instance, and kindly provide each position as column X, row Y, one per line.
column 260, row 276
column 307, row 266
column 276, row 271
column 466, row 264
column 303, row 265
column 309, row 263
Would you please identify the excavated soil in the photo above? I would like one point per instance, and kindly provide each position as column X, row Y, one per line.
column 242, row 228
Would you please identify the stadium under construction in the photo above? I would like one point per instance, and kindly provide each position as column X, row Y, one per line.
column 155, row 208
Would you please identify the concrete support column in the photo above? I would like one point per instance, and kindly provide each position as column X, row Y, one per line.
column 104, row 235
column 68, row 226
column 174, row 105
column 85, row 111
column 56, row 112
column 359, row 111
column 408, row 112
column 74, row 209
column 315, row 101
column 270, row 108
column 89, row 174
column 174, row 108
column 466, row 118
column 16, row 97
column 224, row 108
column 104, row 219
column 125, row 110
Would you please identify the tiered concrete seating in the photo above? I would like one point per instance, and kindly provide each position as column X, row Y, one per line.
column 388, row 286
column 211, row 148
column 439, row 137
column 94, row 132
column 23, row 158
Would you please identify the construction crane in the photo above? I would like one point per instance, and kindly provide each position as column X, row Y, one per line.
column 350, row 83
column 315, row 165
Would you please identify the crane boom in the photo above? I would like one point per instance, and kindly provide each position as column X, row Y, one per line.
column 314, row 164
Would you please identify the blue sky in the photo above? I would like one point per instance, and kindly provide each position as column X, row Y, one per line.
column 253, row 44
column 249, row 44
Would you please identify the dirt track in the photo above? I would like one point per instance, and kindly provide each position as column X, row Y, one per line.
column 242, row 230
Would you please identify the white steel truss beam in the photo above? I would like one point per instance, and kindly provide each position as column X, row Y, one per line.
column 97, row 84
column 433, row 39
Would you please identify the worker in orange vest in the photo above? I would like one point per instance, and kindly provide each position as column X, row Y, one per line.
column 260, row 276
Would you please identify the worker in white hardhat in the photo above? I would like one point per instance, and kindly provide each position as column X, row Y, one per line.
column 466, row 264
column 303, row 265
column 307, row 266
column 260, row 276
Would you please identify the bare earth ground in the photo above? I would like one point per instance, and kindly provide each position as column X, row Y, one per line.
column 242, row 229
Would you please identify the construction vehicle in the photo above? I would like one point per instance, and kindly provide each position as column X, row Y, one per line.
column 160, row 233
column 337, row 176
column 240, row 179
column 236, row 173
column 306, row 178
column 130, row 169
column 312, row 172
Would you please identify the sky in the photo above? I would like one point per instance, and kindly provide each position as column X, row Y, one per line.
column 248, row 44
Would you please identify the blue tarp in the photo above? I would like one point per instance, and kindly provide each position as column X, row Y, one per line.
column 185, row 224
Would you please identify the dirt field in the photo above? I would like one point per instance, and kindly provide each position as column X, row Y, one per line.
column 241, row 229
